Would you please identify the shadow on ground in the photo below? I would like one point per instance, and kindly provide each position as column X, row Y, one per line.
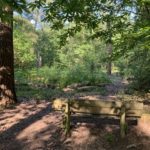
column 104, row 134
column 31, row 126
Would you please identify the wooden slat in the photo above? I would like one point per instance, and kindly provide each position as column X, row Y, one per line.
column 99, row 107
column 96, row 103
column 106, row 104
column 96, row 110
column 105, row 111
column 146, row 109
column 134, row 105
column 134, row 113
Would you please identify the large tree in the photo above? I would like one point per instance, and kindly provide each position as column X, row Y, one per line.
column 7, row 88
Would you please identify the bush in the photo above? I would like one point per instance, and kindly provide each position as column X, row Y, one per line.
column 44, row 75
column 62, row 77
column 21, row 76
column 82, row 74
column 136, row 67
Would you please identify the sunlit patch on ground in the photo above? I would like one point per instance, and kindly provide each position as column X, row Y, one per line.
column 32, row 126
column 144, row 125
column 28, row 126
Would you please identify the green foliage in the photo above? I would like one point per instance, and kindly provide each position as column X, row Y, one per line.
column 21, row 76
column 44, row 75
column 15, row 5
column 47, row 45
column 123, row 23
column 136, row 68
column 58, row 77
column 110, row 138
column 24, row 38
column 134, row 45
column 80, row 61
column 126, row 26
column 140, row 70
column 28, row 92
column 82, row 74
column 72, row 16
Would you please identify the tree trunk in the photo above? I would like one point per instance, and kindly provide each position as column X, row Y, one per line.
column 39, row 59
column 7, row 89
column 109, row 46
column 109, row 64
column 37, row 19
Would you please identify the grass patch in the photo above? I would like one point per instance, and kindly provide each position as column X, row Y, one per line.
column 101, row 90
column 110, row 138
column 31, row 92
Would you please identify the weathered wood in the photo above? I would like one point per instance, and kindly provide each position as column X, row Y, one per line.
column 100, row 107
column 105, row 111
column 96, row 103
column 59, row 104
column 106, row 104
column 96, row 110
column 146, row 109
column 134, row 113
column 67, row 118
column 114, row 108
column 134, row 105
column 122, row 122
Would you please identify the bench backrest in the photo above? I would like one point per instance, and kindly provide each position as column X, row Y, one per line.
column 132, row 109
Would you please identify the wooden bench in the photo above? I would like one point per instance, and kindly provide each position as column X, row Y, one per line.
column 97, row 107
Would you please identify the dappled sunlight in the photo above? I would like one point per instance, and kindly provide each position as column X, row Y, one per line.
column 143, row 127
column 39, row 128
column 32, row 126
column 31, row 131
column 12, row 116
column 74, row 75
column 90, row 136
column 82, row 135
column 98, row 97
column 108, row 128
column 29, row 125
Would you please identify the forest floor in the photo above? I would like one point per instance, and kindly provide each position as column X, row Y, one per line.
column 33, row 125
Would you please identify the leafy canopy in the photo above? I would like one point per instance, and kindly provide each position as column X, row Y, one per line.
column 15, row 5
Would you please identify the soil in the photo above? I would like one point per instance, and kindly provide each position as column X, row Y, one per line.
column 35, row 126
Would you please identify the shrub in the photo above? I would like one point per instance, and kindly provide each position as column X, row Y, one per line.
column 62, row 77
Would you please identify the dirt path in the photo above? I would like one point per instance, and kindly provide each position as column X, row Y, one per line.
column 31, row 126
column 104, row 92
column 35, row 127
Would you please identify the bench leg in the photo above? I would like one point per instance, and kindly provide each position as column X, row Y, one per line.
column 67, row 119
column 122, row 123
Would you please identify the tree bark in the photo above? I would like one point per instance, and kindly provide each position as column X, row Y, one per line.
column 109, row 46
column 38, row 59
column 7, row 84
column 109, row 64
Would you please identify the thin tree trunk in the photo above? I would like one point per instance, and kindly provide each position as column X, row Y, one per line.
column 37, row 52
column 109, row 63
column 109, row 47
column 7, row 85
column 39, row 59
